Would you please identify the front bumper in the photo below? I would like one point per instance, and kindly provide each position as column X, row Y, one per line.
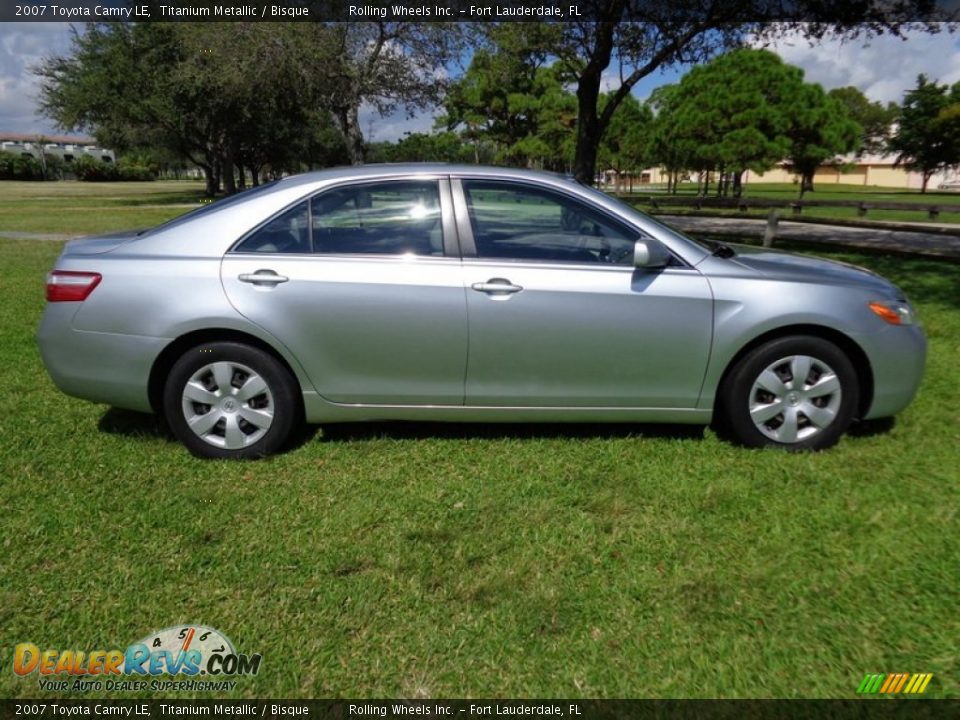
column 897, row 358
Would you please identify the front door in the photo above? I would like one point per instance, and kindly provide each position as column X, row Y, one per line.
column 558, row 315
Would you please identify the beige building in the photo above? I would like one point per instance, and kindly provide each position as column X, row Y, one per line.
column 869, row 170
column 875, row 170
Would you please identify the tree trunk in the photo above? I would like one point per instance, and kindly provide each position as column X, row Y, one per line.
column 349, row 122
column 588, row 131
column 217, row 169
column 226, row 165
column 738, row 184
column 210, row 178
column 926, row 179
column 254, row 175
column 589, row 128
column 806, row 183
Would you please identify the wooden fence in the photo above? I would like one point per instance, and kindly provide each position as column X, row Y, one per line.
column 797, row 206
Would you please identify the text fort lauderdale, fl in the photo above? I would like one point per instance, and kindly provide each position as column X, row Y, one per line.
column 475, row 11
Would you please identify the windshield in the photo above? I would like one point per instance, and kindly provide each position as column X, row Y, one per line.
column 210, row 207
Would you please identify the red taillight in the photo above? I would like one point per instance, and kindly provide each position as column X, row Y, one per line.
column 67, row 286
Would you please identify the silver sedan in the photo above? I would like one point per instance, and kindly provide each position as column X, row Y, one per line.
column 434, row 292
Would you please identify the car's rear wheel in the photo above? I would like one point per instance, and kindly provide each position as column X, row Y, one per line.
column 797, row 393
column 230, row 400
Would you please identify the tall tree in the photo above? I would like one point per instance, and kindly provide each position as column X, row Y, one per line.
column 732, row 114
column 386, row 65
column 496, row 99
column 874, row 117
column 923, row 140
column 692, row 31
column 625, row 147
column 820, row 128
column 673, row 147
column 748, row 110
column 224, row 96
column 552, row 113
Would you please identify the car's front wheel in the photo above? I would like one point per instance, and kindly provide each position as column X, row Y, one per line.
column 230, row 400
column 797, row 393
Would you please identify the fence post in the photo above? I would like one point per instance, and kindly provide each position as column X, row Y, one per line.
column 773, row 219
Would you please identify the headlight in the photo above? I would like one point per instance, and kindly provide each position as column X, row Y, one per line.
column 895, row 312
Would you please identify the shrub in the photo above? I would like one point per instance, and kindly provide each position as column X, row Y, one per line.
column 14, row 166
column 90, row 169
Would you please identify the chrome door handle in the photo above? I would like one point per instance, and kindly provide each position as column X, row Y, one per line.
column 497, row 285
column 263, row 277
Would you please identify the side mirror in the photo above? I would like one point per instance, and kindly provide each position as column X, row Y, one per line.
column 650, row 254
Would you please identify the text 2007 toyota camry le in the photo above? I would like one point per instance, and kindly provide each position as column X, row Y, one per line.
column 432, row 292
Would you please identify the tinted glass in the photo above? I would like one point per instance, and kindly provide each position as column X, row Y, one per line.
column 286, row 233
column 387, row 218
column 520, row 222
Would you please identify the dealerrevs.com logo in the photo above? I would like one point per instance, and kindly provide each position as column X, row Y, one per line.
column 203, row 656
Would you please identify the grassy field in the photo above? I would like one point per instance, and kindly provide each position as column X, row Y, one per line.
column 76, row 208
column 426, row 560
column 948, row 202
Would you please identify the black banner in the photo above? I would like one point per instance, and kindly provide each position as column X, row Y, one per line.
column 678, row 11
column 868, row 709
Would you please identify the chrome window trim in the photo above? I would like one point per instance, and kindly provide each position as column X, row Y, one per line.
column 447, row 220
column 465, row 226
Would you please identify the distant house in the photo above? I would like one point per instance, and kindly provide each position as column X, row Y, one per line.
column 67, row 147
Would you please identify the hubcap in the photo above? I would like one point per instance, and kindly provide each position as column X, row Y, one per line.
column 227, row 405
column 795, row 398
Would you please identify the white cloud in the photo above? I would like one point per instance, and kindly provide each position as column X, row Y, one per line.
column 395, row 126
column 23, row 45
column 882, row 67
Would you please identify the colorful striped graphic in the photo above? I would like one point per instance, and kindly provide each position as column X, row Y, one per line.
column 892, row 683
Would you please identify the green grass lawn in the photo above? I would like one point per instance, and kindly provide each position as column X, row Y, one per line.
column 427, row 560
column 78, row 208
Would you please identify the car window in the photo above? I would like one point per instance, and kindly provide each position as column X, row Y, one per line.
column 520, row 222
column 393, row 218
column 286, row 233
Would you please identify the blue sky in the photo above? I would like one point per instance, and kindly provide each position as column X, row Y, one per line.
column 883, row 68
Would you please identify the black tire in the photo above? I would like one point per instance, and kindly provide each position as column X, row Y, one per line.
column 277, row 409
column 738, row 391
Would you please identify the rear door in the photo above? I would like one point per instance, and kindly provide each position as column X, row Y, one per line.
column 363, row 284
column 559, row 316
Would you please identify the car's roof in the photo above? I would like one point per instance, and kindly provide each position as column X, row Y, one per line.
column 222, row 222
column 412, row 168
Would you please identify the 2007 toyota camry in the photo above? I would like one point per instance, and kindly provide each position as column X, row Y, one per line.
column 432, row 292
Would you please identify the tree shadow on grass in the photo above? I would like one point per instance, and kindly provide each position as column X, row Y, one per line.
column 132, row 424
column 401, row 430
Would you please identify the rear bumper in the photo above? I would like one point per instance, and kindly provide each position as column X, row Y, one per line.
column 897, row 358
column 102, row 367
